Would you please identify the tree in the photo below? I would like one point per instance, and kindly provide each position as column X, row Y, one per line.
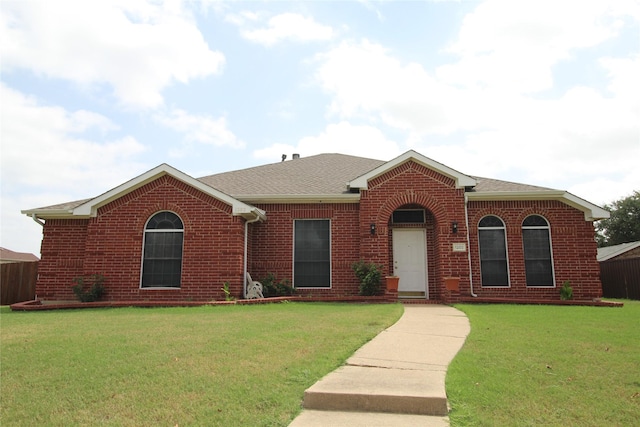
column 624, row 224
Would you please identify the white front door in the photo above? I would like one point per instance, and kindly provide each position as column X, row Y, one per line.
column 410, row 262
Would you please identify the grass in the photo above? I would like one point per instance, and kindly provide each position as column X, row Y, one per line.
column 547, row 366
column 213, row 366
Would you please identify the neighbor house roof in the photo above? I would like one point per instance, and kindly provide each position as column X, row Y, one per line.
column 321, row 178
column 609, row 252
column 7, row 255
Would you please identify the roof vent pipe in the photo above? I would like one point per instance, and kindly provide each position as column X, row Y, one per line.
column 296, row 156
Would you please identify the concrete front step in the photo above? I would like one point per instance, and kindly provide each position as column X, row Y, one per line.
column 374, row 389
column 310, row 418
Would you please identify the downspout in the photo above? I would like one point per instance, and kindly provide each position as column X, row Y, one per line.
column 466, row 219
column 246, row 238
column 35, row 218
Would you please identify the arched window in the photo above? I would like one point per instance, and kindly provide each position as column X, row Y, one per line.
column 493, row 252
column 162, row 256
column 536, row 238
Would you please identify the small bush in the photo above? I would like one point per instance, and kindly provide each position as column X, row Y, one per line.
column 370, row 276
column 95, row 290
column 566, row 291
column 271, row 287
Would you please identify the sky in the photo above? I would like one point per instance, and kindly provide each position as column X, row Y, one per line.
column 94, row 93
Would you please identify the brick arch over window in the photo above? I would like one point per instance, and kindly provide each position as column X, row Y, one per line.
column 411, row 198
column 165, row 205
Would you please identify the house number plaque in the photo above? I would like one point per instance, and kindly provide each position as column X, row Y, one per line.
column 459, row 247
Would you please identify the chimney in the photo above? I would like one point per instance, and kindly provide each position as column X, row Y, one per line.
column 296, row 156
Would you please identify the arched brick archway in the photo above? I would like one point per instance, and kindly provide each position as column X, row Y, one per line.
column 380, row 247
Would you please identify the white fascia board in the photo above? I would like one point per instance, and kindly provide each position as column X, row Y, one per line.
column 299, row 198
column 48, row 213
column 591, row 211
column 90, row 208
column 460, row 179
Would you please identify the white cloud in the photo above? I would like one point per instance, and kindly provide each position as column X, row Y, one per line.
column 42, row 142
column 478, row 115
column 200, row 129
column 513, row 45
column 46, row 159
column 365, row 80
column 342, row 137
column 623, row 74
column 136, row 47
column 287, row 26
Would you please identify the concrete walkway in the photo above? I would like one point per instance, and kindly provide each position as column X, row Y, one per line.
column 396, row 379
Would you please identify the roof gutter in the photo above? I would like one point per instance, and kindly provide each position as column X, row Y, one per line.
column 466, row 219
column 591, row 212
column 36, row 219
column 246, row 240
column 254, row 199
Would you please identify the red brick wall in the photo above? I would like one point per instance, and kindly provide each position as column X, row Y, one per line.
column 411, row 184
column 572, row 242
column 111, row 244
column 62, row 257
column 272, row 244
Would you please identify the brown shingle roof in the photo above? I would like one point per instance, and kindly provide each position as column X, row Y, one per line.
column 319, row 175
column 491, row 185
column 7, row 255
column 323, row 174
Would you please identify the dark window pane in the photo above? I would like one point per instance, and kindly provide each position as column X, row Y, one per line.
column 537, row 257
column 535, row 221
column 165, row 221
column 312, row 254
column 408, row 216
column 491, row 221
column 493, row 257
column 162, row 259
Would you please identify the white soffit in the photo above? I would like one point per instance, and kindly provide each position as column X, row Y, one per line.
column 591, row 212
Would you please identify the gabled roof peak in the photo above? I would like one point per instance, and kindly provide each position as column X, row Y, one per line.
column 461, row 180
column 89, row 208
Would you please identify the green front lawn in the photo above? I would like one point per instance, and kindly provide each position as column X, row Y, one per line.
column 547, row 366
column 250, row 365
column 208, row 366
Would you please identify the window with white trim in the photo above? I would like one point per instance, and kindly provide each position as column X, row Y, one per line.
column 493, row 252
column 536, row 240
column 312, row 253
column 162, row 253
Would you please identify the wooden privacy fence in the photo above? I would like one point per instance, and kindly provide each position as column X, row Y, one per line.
column 18, row 282
column 621, row 278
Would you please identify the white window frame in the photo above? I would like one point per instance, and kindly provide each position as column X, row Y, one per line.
column 524, row 255
column 506, row 249
column 293, row 275
column 144, row 240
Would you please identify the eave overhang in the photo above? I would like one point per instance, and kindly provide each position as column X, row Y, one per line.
column 591, row 212
column 299, row 198
column 89, row 208
column 461, row 180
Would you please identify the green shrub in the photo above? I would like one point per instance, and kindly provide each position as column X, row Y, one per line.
column 566, row 291
column 272, row 287
column 94, row 292
column 370, row 276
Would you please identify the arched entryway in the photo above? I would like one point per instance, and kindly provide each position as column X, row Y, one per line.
column 413, row 247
